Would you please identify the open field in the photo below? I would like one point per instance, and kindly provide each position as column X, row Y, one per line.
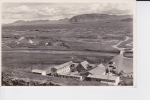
column 94, row 36
column 45, row 58
column 92, row 41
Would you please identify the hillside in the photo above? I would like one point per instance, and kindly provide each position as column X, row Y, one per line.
column 39, row 22
column 75, row 19
column 97, row 17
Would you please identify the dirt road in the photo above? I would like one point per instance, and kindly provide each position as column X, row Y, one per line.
column 121, row 49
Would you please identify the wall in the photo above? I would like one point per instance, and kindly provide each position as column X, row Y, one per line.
column 117, row 81
column 112, row 82
column 72, row 77
column 64, row 69
column 53, row 72
column 80, row 68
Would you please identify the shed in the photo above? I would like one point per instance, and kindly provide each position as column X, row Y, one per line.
column 46, row 71
column 83, row 66
column 38, row 71
column 63, row 68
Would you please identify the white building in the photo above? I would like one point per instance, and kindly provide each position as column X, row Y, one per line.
column 63, row 68
column 113, row 80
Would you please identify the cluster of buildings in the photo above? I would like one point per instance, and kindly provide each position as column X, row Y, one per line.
column 31, row 41
column 81, row 71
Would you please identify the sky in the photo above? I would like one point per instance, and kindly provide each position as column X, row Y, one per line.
column 12, row 12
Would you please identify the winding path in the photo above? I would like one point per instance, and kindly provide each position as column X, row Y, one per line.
column 121, row 49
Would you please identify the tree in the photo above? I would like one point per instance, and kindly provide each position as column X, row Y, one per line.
column 107, row 70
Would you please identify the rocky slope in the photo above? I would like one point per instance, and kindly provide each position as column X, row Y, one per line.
column 97, row 17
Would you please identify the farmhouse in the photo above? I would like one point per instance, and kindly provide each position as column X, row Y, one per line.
column 83, row 66
column 80, row 71
column 113, row 80
column 63, row 68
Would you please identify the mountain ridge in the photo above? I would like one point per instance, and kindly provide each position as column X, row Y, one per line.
column 97, row 17
column 75, row 19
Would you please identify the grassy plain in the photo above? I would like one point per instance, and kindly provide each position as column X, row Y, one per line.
column 95, row 37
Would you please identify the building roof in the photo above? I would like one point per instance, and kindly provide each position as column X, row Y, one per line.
column 101, row 65
column 63, row 65
column 123, row 63
column 76, row 64
column 98, row 70
column 106, row 77
column 47, row 70
column 92, row 65
column 84, row 64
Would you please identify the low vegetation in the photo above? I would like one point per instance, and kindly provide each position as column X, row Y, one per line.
column 54, row 44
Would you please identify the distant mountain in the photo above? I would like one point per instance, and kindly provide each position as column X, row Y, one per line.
column 76, row 19
column 97, row 17
column 38, row 22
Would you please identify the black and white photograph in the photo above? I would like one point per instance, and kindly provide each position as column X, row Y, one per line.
column 68, row 44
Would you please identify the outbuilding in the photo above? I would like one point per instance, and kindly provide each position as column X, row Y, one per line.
column 113, row 80
column 83, row 66
column 63, row 68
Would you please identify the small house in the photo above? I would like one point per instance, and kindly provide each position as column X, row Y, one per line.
column 63, row 68
column 37, row 71
column 46, row 72
column 83, row 66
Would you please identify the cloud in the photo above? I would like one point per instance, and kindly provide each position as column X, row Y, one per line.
column 56, row 11
column 19, row 9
